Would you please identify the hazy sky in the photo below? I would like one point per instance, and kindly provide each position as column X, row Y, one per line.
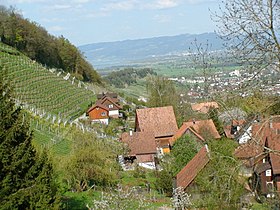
column 91, row 21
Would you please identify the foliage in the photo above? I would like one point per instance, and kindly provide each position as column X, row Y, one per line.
column 162, row 92
column 26, row 178
column 182, row 152
column 219, row 183
column 164, row 177
column 181, row 199
column 128, row 76
column 120, row 199
column 252, row 29
column 92, row 162
column 184, row 149
column 214, row 115
column 35, row 42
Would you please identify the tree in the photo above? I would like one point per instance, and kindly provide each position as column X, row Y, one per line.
column 92, row 162
column 251, row 27
column 162, row 92
column 219, row 183
column 182, row 152
column 25, row 178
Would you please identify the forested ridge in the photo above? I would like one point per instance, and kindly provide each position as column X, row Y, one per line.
column 34, row 41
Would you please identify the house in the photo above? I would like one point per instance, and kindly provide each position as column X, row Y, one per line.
column 205, row 128
column 204, row 107
column 142, row 146
column 99, row 113
column 186, row 176
column 113, row 96
column 161, row 121
column 112, row 105
column 232, row 129
column 107, row 106
column 261, row 156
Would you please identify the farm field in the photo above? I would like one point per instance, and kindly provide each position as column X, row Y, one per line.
column 46, row 92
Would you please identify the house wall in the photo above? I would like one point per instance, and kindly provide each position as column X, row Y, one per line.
column 114, row 113
column 97, row 114
column 103, row 121
column 277, row 182
column 145, row 158
column 264, row 179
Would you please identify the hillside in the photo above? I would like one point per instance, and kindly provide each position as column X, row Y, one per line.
column 46, row 92
column 108, row 54
column 34, row 41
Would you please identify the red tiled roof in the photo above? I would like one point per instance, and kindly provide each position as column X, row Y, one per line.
column 98, row 105
column 204, row 127
column 140, row 142
column 161, row 120
column 204, row 107
column 182, row 130
column 191, row 170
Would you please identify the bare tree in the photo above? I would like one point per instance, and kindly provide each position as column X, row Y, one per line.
column 252, row 29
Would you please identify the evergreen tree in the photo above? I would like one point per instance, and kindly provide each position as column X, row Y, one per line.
column 25, row 179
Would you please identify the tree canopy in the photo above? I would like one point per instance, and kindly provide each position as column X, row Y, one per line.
column 26, row 178
column 252, row 29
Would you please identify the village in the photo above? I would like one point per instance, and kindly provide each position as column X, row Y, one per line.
column 156, row 130
column 237, row 80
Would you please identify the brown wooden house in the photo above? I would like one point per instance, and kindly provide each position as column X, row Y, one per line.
column 99, row 113
column 261, row 155
column 142, row 146
column 107, row 106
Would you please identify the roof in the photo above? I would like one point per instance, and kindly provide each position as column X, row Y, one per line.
column 264, row 135
column 191, row 170
column 101, row 101
column 203, row 127
column 161, row 120
column 204, row 107
column 140, row 143
column 112, row 95
column 182, row 130
column 98, row 105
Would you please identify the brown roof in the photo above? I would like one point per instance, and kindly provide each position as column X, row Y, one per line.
column 204, row 107
column 112, row 95
column 161, row 120
column 97, row 105
column 109, row 99
column 140, row 142
column 182, row 130
column 191, row 170
column 263, row 135
column 204, row 127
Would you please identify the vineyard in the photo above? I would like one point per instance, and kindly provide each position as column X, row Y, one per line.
column 48, row 93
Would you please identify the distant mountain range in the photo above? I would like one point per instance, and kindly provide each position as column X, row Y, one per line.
column 107, row 54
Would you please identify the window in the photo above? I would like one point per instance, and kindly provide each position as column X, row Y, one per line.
column 103, row 114
column 268, row 172
column 111, row 106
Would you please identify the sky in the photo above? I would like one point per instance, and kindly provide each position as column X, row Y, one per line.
column 92, row 21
